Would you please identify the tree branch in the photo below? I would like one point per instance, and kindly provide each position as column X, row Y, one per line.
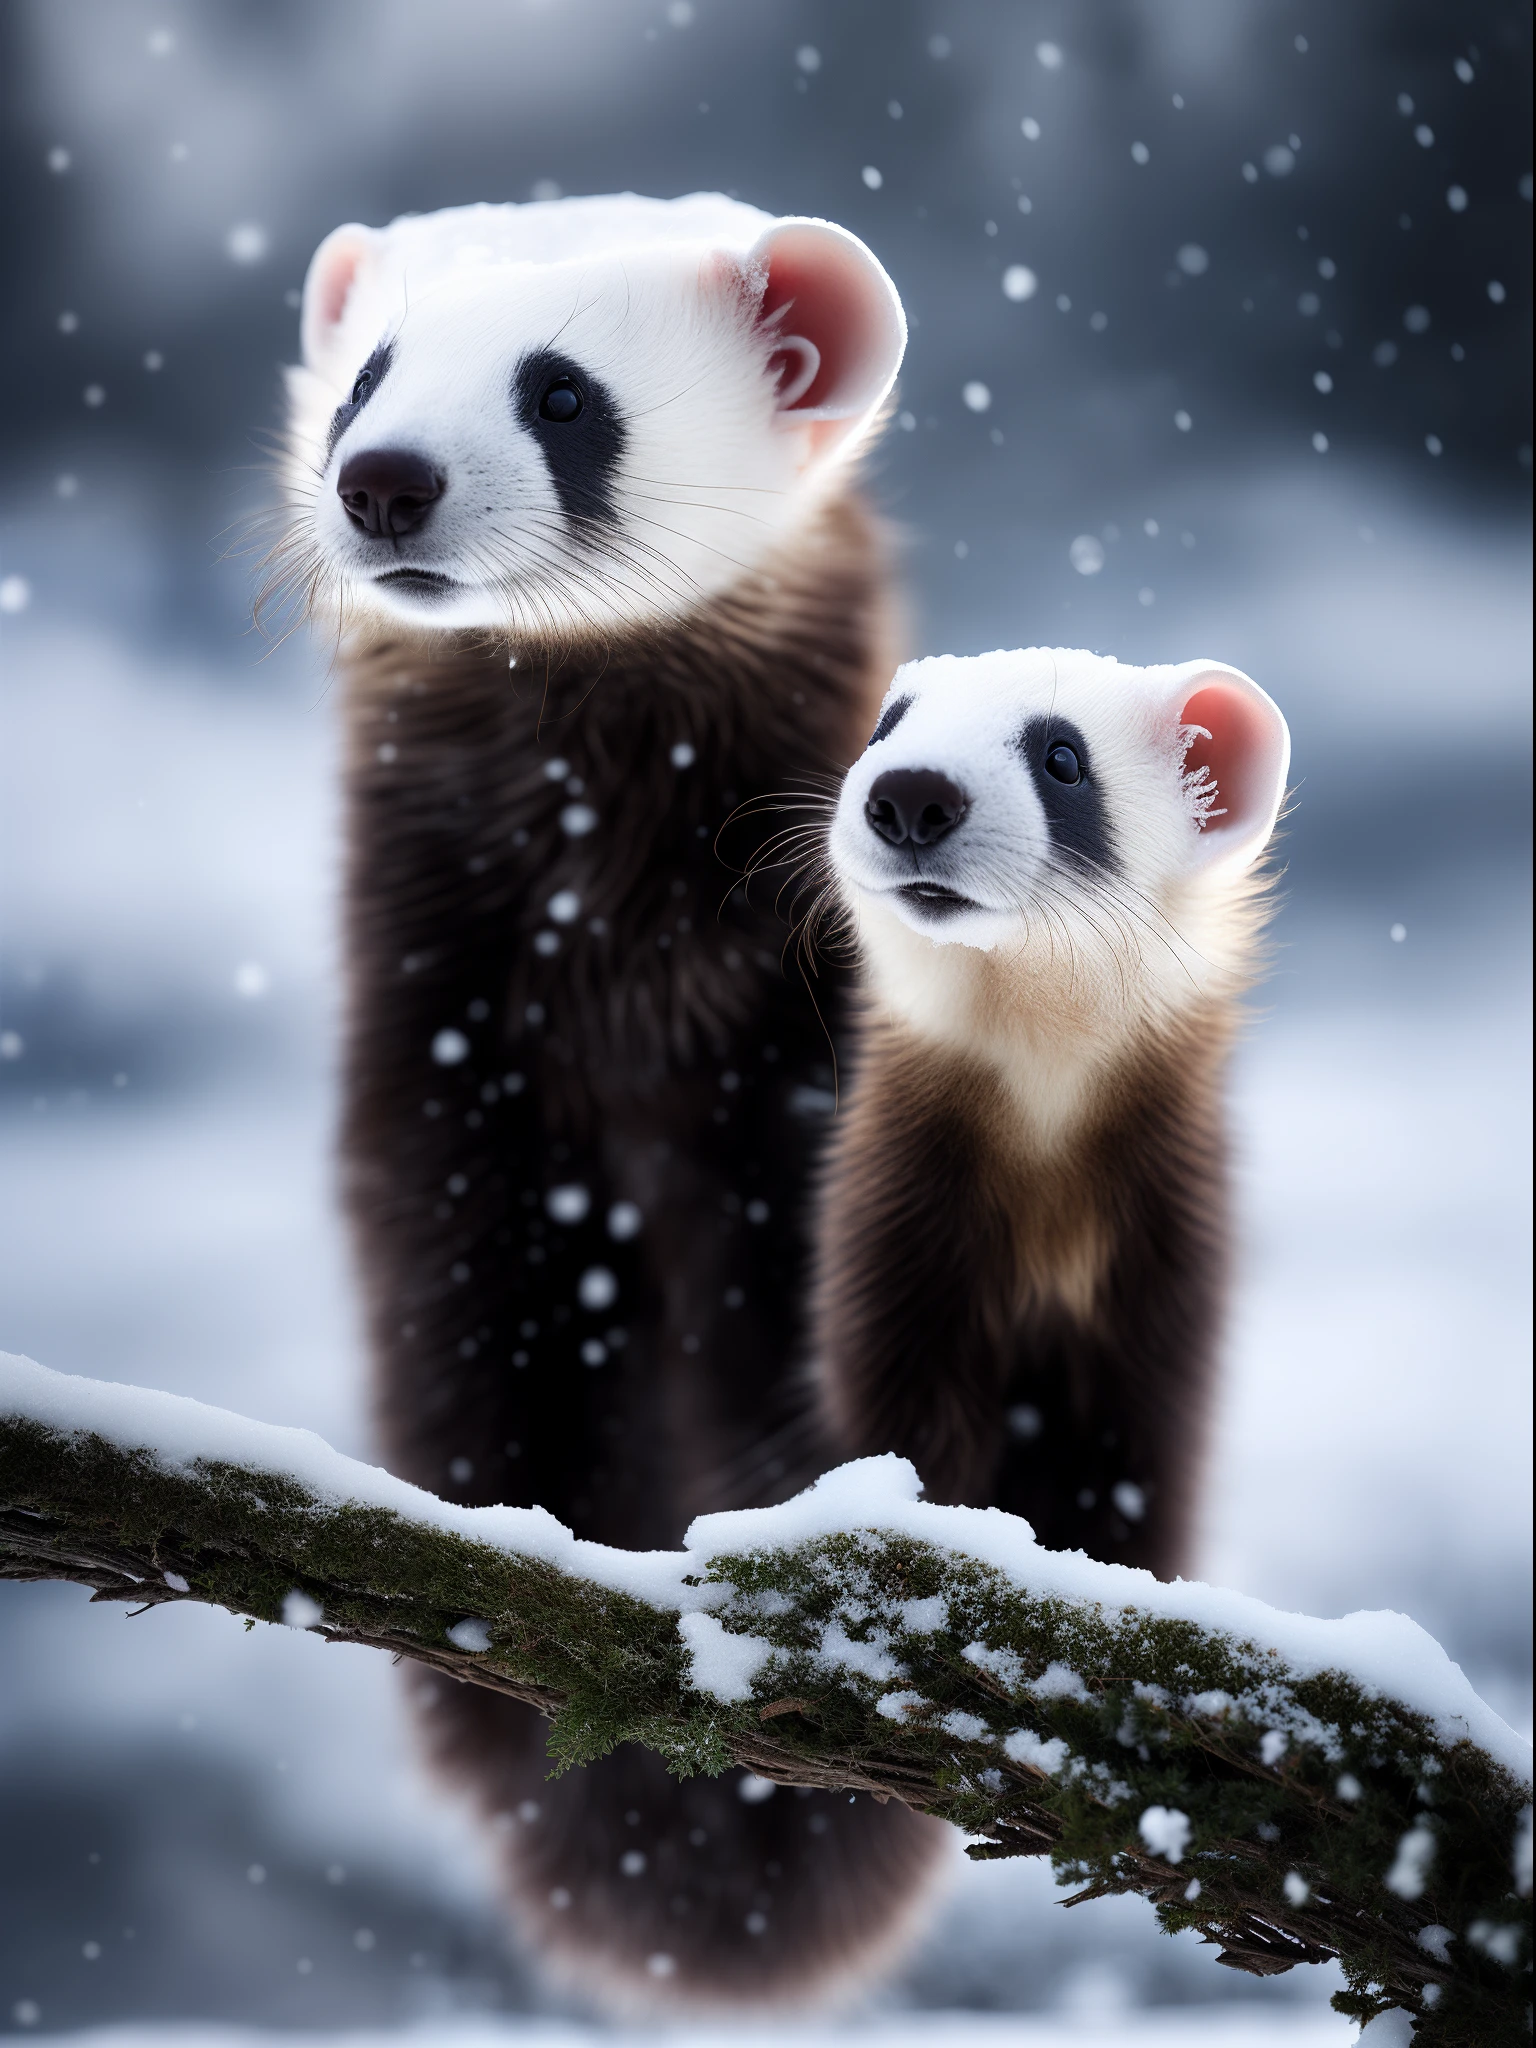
column 1252, row 1774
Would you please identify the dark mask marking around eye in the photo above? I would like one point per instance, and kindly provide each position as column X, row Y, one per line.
column 364, row 385
column 890, row 718
column 572, row 416
column 1075, row 811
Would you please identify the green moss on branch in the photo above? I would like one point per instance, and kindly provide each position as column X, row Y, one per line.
column 1038, row 1725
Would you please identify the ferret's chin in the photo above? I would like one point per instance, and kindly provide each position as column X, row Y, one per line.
column 941, row 915
column 430, row 602
column 420, row 586
column 427, row 599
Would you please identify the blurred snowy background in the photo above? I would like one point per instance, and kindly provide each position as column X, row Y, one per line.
column 1221, row 321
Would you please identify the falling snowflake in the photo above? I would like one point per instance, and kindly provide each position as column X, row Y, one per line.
column 247, row 243
column 597, row 1288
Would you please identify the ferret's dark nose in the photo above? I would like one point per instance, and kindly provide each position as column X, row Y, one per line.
column 914, row 806
column 387, row 491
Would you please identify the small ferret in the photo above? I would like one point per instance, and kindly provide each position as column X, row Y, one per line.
column 1052, row 866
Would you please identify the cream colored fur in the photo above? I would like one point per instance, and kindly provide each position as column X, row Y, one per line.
column 1059, row 981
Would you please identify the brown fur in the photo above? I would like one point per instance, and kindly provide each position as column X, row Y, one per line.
column 664, row 1059
column 964, row 1273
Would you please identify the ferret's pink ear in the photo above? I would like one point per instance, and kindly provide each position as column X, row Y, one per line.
column 1238, row 758
column 835, row 326
column 328, row 283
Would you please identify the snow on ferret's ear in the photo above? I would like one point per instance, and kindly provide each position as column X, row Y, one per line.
column 1237, row 756
column 834, row 323
column 328, row 283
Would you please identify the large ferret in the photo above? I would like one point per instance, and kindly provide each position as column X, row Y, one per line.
column 572, row 480
column 1048, row 860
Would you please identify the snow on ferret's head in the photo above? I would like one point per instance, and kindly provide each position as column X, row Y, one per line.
column 1058, row 806
column 577, row 415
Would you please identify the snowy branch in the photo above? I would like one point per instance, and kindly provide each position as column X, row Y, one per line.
column 1294, row 1790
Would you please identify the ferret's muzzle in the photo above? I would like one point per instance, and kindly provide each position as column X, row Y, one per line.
column 387, row 492
column 914, row 806
column 912, row 809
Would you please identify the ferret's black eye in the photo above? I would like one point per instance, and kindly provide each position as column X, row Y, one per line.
column 362, row 387
column 561, row 402
column 1062, row 763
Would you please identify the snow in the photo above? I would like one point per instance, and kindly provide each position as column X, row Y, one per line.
column 426, row 248
column 1436, row 1941
column 1059, row 1682
column 1003, row 1664
column 471, row 1634
column 896, row 1706
column 1216, row 2026
column 846, row 1653
column 247, row 243
column 723, row 1665
column 1024, row 1746
column 299, row 1610
column 1165, row 1831
column 1410, row 1867
column 182, row 1433
column 1497, row 1938
column 1386, row 1653
column 597, row 1288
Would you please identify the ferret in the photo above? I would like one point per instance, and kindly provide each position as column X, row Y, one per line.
column 571, row 483
column 1051, row 864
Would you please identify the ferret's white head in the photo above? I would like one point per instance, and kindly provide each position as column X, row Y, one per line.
column 1062, row 812
column 573, row 416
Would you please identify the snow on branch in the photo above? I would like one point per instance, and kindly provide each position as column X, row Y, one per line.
column 1294, row 1790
